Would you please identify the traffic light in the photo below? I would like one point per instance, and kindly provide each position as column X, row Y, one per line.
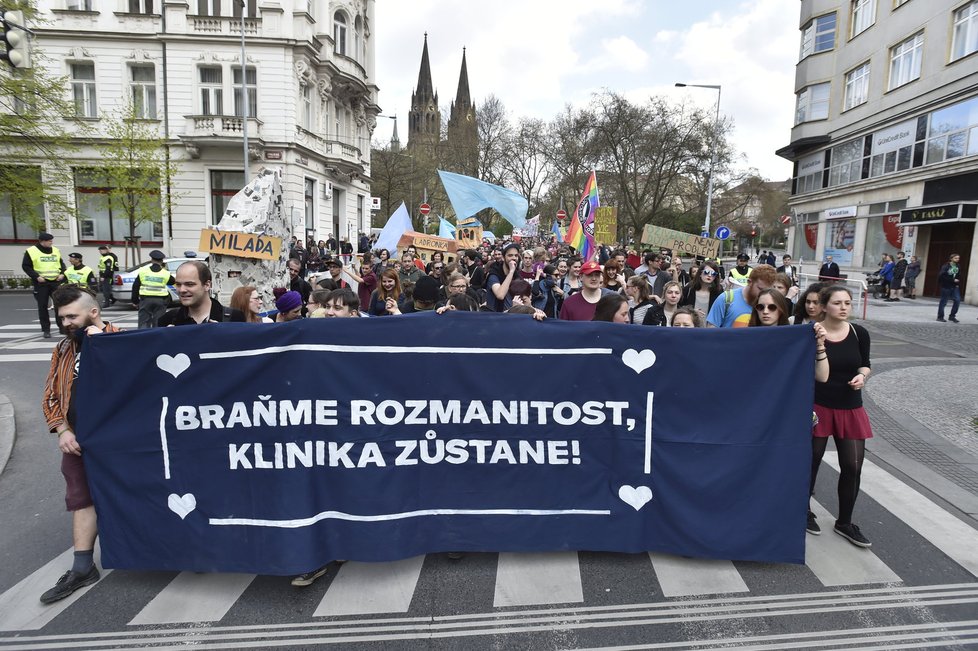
column 16, row 40
column 753, row 232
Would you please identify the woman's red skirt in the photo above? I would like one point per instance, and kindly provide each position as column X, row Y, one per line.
column 842, row 423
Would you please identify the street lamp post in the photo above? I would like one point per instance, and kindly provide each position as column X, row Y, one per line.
column 713, row 154
column 244, row 95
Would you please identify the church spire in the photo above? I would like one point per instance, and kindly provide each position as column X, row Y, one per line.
column 424, row 120
column 395, row 141
column 462, row 94
column 425, row 89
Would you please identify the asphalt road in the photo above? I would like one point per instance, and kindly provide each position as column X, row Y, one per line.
column 918, row 585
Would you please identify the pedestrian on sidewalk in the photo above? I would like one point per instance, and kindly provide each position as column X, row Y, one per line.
column 899, row 270
column 910, row 279
column 950, row 284
column 839, row 407
column 81, row 316
column 45, row 267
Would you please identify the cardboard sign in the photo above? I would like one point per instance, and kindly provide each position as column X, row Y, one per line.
column 469, row 237
column 428, row 244
column 682, row 243
column 242, row 245
column 606, row 225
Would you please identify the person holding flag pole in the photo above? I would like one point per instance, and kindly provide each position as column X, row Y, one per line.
column 580, row 233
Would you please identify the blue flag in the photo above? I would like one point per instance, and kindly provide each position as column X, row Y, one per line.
column 397, row 225
column 213, row 462
column 469, row 196
column 556, row 230
column 445, row 228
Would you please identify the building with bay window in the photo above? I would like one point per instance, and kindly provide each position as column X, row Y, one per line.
column 305, row 95
column 885, row 141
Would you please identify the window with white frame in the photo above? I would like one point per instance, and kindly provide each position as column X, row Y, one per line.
column 21, row 208
column 857, row 86
column 209, row 7
column 83, row 90
column 211, row 90
column 102, row 216
column 141, row 6
column 905, row 61
column 306, row 107
column 818, row 35
column 863, row 16
column 813, row 103
column 143, row 87
column 339, row 33
column 310, row 204
column 846, row 163
column 251, row 9
column 79, row 5
column 251, row 83
column 953, row 132
column 965, row 39
column 224, row 185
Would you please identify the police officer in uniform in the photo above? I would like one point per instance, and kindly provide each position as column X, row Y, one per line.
column 80, row 274
column 43, row 263
column 108, row 265
column 740, row 274
column 149, row 291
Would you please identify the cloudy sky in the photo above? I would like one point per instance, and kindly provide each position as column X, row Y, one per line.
column 537, row 55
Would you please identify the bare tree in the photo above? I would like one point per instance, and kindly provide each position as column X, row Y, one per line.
column 525, row 162
column 494, row 130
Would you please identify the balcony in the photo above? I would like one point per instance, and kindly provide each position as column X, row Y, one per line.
column 223, row 25
column 218, row 131
column 336, row 150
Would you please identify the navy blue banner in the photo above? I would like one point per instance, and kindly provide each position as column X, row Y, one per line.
column 273, row 449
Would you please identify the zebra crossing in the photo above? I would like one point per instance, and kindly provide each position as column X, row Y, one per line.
column 22, row 342
column 538, row 592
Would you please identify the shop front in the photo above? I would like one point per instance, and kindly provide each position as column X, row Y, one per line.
column 940, row 231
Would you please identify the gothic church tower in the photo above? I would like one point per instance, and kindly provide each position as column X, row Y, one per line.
column 424, row 120
column 463, row 134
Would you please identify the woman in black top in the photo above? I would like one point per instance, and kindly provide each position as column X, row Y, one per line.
column 839, row 406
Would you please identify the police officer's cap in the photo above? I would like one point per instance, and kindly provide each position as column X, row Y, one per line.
column 75, row 255
column 103, row 247
column 157, row 255
column 44, row 236
column 743, row 256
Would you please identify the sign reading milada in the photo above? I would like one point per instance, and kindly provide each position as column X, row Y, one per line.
column 242, row 245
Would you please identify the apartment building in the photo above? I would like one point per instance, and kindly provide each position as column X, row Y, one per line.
column 304, row 93
column 885, row 141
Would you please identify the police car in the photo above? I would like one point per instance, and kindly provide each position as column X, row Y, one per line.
column 123, row 280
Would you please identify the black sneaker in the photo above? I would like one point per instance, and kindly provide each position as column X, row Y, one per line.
column 942, row 320
column 68, row 583
column 47, row 335
column 953, row 320
column 812, row 526
column 310, row 577
column 852, row 533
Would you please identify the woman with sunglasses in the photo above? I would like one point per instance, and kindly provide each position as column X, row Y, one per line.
column 808, row 309
column 771, row 309
column 436, row 258
column 839, row 406
column 703, row 289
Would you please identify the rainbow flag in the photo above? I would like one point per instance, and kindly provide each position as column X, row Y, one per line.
column 580, row 234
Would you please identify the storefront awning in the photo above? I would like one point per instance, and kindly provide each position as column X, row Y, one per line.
column 939, row 214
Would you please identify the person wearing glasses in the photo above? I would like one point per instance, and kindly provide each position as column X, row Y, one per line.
column 771, row 309
column 703, row 289
column 248, row 300
column 839, row 406
column 436, row 258
column 434, row 271
column 732, row 308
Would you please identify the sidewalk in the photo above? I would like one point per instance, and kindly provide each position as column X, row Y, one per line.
column 918, row 310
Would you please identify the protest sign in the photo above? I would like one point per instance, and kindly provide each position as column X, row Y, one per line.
column 469, row 236
column 242, row 245
column 606, row 225
column 427, row 244
column 262, row 449
column 680, row 243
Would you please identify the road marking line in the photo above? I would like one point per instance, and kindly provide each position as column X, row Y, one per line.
column 943, row 530
column 25, row 357
column 371, row 588
column 44, row 344
column 524, row 579
column 835, row 561
column 192, row 597
column 686, row 577
column 21, row 606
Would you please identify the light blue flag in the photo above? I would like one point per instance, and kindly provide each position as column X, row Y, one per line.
column 446, row 228
column 556, row 230
column 489, row 235
column 397, row 225
column 469, row 196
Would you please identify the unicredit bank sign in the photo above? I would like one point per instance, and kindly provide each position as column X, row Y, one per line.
column 839, row 213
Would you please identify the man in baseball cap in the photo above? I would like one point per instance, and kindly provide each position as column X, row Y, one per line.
column 580, row 306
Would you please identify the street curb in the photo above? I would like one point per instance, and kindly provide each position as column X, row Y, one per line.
column 8, row 431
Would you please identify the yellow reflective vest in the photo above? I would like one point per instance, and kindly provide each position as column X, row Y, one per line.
column 739, row 278
column 153, row 283
column 47, row 265
column 78, row 276
column 105, row 263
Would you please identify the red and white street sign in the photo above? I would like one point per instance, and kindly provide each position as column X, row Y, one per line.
column 561, row 214
column 785, row 219
column 424, row 209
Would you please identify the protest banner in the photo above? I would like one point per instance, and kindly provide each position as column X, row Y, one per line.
column 606, row 225
column 427, row 244
column 242, row 245
column 214, row 462
column 679, row 242
column 469, row 237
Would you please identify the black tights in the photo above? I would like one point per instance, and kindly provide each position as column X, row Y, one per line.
column 851, row 454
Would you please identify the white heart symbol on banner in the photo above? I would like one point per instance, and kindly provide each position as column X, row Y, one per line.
column 638, row 361
column 182, row 505
column 173, row 365
column 636, row 497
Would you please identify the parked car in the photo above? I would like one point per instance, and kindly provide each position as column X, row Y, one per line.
column 123, row 280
